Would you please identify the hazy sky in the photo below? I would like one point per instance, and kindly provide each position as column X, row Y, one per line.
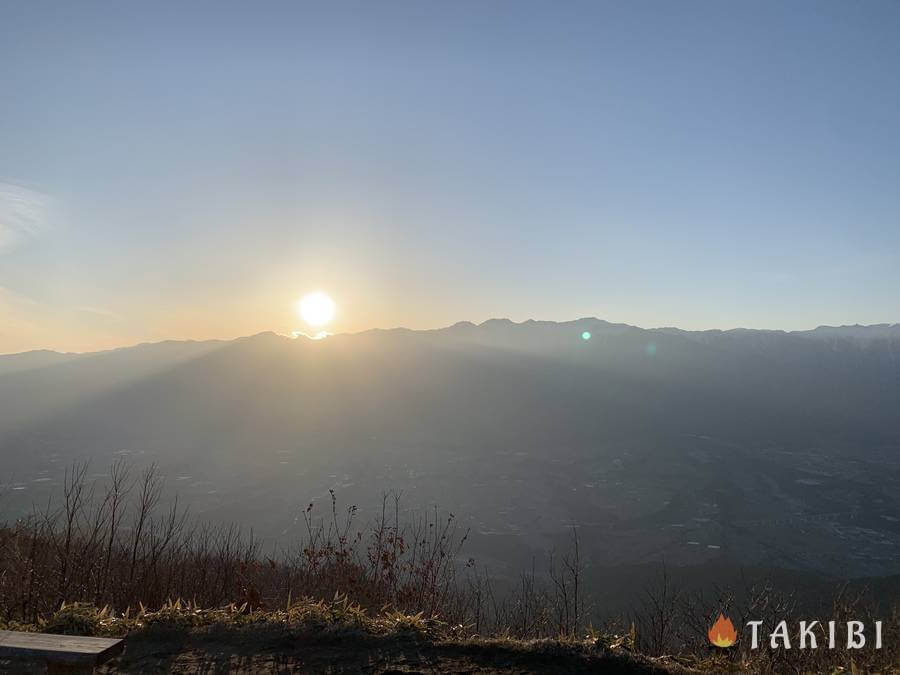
column 191, row 169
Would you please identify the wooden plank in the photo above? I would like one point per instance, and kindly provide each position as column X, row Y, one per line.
column 63, row 649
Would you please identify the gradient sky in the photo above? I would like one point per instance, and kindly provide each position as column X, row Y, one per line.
column 188, row 170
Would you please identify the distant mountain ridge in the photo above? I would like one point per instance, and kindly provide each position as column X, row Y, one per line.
column 38, row 357
column 847, row 378
column 852, row 372
column 527, row 426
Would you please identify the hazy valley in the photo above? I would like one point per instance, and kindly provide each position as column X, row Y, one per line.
column 737, row 448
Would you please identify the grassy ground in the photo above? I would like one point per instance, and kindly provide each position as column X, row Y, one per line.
column 337, row 636
column 266, row 649
column 328, row 637
column 315, row 636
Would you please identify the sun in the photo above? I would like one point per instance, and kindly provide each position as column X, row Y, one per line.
column 317, row 309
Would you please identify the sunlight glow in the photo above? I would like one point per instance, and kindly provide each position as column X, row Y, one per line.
column 317, row 309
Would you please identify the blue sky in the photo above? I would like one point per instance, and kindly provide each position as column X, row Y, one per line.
column 188, row 170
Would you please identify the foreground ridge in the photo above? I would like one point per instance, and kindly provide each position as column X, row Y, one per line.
column 337, row 636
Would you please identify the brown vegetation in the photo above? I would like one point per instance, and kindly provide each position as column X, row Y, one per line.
column 117, row 562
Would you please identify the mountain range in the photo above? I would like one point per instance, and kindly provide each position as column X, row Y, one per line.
column 695, row 446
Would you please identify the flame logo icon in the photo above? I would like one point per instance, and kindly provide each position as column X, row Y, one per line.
column 722, row 633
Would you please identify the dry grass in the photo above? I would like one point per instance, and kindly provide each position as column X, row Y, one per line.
column 111, row 562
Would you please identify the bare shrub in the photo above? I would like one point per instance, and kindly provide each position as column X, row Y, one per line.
column 118, row 552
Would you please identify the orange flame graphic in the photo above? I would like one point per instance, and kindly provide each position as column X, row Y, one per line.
column 722, row 633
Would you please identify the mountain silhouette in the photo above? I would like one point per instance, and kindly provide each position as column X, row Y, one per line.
column 533, row 409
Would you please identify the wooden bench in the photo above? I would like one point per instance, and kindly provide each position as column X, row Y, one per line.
column 63, row 653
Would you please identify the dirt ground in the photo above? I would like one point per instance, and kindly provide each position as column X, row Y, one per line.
column 362, row 654
column 272, row 651
column 277, row 649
